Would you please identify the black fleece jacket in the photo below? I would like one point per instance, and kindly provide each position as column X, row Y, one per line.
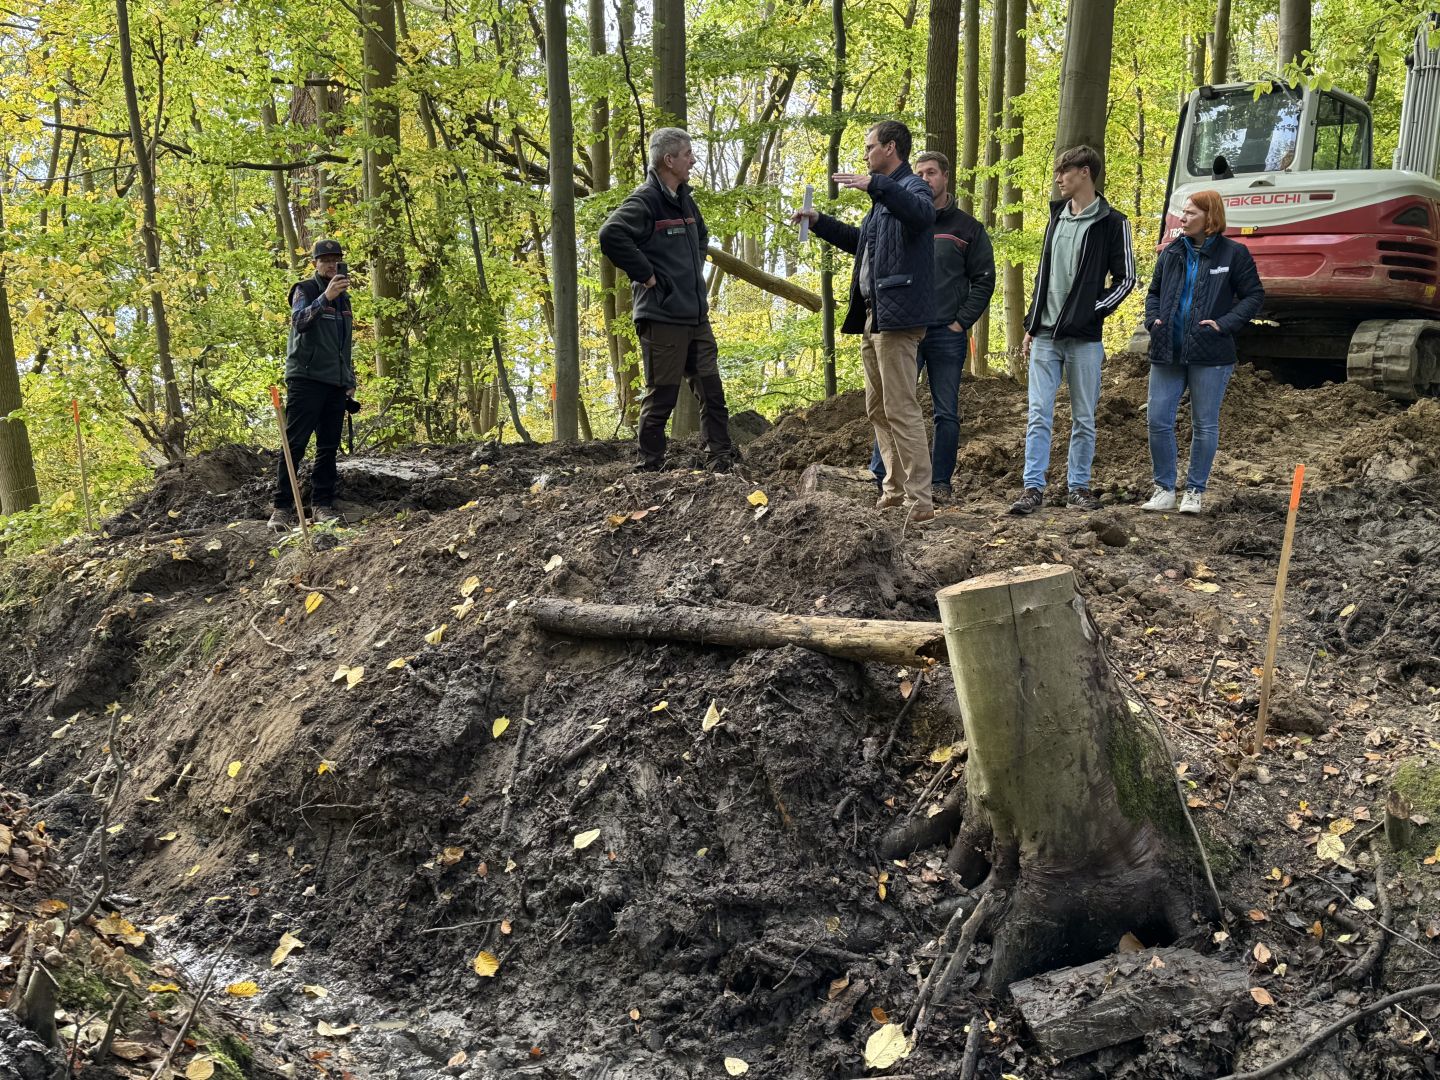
column 655, row 232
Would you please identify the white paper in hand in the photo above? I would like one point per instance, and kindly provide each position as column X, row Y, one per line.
column 805, row 212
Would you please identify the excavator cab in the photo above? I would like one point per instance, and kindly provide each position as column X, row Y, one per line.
column 1349, row 254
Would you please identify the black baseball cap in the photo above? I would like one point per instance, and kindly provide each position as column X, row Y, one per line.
column 326, row 247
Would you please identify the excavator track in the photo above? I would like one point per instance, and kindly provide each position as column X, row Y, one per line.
column 1398, row 357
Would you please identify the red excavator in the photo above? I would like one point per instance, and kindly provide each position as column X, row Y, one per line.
column 1349, row 254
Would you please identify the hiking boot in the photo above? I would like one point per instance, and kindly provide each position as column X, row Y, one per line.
column 648, row 466
column 1192, row 502
column 1082, row 499
column 1160, row 499
column 282, row 520
column 920, row 519
column 942, row 493
column 889, row 502
column 723, row 463
column 327, row 515
column 1029, row 502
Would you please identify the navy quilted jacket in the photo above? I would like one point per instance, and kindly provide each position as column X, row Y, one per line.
column 899, row 233
column 1227, row 291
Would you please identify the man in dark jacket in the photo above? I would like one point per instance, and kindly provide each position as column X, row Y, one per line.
column 319, row 382
column 964, row 283
column 659, row 239
column 892, row 304
column 1086, row 241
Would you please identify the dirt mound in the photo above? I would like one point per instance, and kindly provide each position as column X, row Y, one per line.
column 372, row 748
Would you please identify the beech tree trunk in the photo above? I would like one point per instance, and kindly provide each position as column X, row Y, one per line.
column 1085, row 81
column 386, row 205
column 1294, row 31
column 565, row 287
column 942, row 58
column 174, row 430
column 1220, row 44
column 978, row 362
column 1016, row 56
column 970, row 143
column 832, row 189
column 881, row 640
column 18, row 489
column 1072, row 813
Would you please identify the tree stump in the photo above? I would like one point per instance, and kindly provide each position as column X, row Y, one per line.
column 1071, row 808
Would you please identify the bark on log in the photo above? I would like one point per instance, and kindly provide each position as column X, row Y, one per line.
column 1077, row 1010
column 858, row 483
column 882, row 640
column 781, row 287
column 1071, row 802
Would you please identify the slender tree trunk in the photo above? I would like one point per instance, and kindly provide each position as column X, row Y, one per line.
column 1372, row 76
column 942, row 59
column 1220, row 44
column 385, row 204
column 1294, row 31
column 565, row 276
column 979, row 358
column 1016, row 58
column 672, row 106
column 174, row 433
column 18, row 489
column 1195, row 44
column 832, row 166
column 616, row 344
column 970, row 107
column 902, row 99
column 1085, row 82
column 289, row 236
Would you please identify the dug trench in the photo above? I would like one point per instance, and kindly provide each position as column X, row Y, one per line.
column 515, row 853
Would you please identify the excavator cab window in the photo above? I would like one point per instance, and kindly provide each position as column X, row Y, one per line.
column 1253, row 134
column 1342, row 135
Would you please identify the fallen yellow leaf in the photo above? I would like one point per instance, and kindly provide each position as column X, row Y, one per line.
column 313, row 990
column 332, row 1031
column 397, row 663
column 201, row 1068
column 163, row 988
column 313, row 601
column 233, row 769
column 736, row 1066
column 486, row 965
column 758, row 498
column 469, row 585
column 585, row 839
column 288, row 944
column 712, row 718
column 498, row 727
column 886, row 1046
column 117, row 926
column 434, row 636
column 246, row 989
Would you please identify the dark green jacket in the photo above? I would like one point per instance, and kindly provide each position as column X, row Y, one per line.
column 654, row 232
column 321, row 335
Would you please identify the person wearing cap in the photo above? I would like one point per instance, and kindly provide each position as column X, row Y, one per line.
column 319, row 382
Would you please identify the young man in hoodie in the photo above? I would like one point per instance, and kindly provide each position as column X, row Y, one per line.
column 964, row 283
column 659, row 239
column 892, row 304
column 1086, row 242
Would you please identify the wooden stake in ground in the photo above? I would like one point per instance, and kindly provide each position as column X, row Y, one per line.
column 84, row 472
column 1071, row 806
column 1276, row 609
column 290, row 466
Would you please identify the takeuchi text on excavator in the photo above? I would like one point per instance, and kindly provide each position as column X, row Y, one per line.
column 1349, row 253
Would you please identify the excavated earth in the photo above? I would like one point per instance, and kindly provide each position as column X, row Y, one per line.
column 372, row 749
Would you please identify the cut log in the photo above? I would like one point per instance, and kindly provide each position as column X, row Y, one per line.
column 1076, row 1010
column 881, row 640
column 1071, row 803
column 781, row 287
column 857, row 484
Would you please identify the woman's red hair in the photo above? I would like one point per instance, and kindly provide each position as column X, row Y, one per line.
column 1214, row 207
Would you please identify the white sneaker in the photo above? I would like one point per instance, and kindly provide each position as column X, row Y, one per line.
column 1192, row 502
column 1160, row 499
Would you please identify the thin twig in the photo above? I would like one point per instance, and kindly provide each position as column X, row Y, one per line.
column 102, row 1049
column 900, row 716
column 1209, row 675
column 459, row 926
column 1383, row 926
column 164, row 1067
column 118, row 760
column 1325, row 1035
column 268, row 641
column 515, row 766
column 972, row 1049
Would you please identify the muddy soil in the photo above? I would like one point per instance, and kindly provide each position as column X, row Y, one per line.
column 369, row 747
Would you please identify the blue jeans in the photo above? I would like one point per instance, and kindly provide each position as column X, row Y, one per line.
column 942, row 357
column 1079, row 363
column 1207, row 383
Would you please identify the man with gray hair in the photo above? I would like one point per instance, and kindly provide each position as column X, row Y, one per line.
column 658, row 238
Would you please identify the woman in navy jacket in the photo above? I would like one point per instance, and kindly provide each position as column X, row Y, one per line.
column 1204, row 291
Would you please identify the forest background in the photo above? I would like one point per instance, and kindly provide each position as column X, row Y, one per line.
column 165, row 167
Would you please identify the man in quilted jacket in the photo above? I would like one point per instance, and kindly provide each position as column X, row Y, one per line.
column 892, row 303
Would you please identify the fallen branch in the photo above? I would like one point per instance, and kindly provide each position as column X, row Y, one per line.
column 1326, row 1034
column 163, row 1069
column 515, row 767
column 881, row 640
column 900, row 716
column 972, row 1049
column 781, row 287
column 118, row 760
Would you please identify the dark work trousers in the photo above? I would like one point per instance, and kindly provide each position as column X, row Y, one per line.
column 318, row 409
column 671, row 354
